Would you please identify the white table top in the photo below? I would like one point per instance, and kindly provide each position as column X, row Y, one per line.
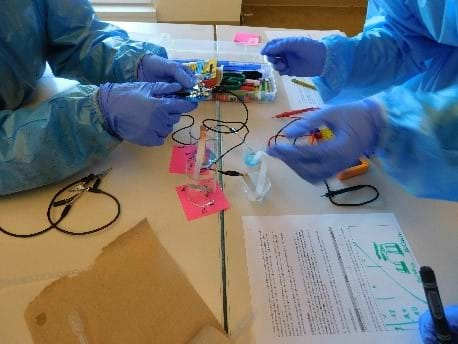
column 430, row 226
column 141, row 181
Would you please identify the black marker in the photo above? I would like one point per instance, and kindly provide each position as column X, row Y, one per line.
column 436, row 309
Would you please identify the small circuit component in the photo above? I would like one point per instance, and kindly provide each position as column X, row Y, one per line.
column 196, row 94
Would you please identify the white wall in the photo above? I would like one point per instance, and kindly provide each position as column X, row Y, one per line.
column 198, row 10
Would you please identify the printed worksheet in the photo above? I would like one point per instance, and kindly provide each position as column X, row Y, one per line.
column 332, row 279
column 300, row 97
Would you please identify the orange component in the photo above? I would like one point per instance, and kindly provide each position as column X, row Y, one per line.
column 356, row 170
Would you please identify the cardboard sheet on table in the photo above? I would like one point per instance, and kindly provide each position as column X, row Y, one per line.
column 134, row 293
column 193, row 212
column 247, row 38
column 180, row 158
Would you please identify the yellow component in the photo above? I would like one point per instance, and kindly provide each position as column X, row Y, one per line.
column 210, row 67
column 326, row 133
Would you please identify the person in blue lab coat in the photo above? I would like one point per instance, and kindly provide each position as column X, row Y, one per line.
column 121, row 95
column 392, row 90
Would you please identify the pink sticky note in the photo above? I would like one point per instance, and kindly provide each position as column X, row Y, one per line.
column 192, row 211
column 180, row 158
column 247, row 38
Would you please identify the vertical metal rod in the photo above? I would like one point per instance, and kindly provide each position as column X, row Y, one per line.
column 222, row 228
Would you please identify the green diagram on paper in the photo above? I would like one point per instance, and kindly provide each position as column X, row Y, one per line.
column 394, row 272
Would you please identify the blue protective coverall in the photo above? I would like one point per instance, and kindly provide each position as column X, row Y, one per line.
column 66, row 133
column 413, row 46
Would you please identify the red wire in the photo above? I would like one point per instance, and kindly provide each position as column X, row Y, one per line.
column 288, row 114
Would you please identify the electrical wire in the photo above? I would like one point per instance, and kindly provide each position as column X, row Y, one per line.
column 91, row 184
column 332, row 193
column 229, row 125
column 184, row 128
column 279, row 132
column 95, row 190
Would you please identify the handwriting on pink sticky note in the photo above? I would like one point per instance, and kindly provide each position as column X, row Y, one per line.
column 247, row 38
column 181, row 155
column 216, row 202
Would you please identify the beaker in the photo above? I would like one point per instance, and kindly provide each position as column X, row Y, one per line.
column 200, row 189
column 201, row 172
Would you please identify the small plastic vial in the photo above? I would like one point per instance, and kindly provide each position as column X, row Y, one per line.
column 256, row 182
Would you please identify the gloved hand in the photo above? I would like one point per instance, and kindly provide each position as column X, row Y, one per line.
column 426, row 325
column 356, row 127
column 296, row 56
column 154, row 68
column 136, row 112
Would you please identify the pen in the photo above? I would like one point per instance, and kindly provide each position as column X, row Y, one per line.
column 436, row 309
column 303, row 83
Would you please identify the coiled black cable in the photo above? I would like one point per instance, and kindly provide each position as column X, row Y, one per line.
column 91, row 184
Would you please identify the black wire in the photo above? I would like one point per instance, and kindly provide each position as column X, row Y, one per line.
column 277, row 135
column 90, row 231
column 4, row 231
column 332, row 193
column 68, row 204
column 184, row 128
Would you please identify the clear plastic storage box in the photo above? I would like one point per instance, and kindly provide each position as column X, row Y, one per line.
column 232, row 58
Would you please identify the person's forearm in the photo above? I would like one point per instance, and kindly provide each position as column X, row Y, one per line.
column 419, row 147
column 366, row 64
column 48, row 143
column 82, row 47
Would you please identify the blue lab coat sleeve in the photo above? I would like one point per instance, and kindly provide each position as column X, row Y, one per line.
column 56, row 139
column 419, row 146
column 393, row 48
column 82, row 47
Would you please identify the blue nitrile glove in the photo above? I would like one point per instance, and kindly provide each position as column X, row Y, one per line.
column 154, row 68
column 137, row 113
column 356, row 127
column 296, row 56
column 426, row 325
